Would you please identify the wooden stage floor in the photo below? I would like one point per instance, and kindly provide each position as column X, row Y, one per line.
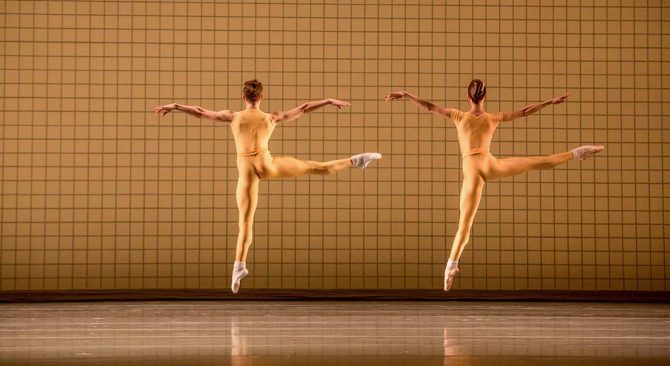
column 334, row 333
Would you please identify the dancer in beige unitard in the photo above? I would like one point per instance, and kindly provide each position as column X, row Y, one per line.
column 252, row 129
column 475, row 129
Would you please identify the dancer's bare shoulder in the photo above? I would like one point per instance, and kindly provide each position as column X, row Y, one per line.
column 456, row 115
column 225, row 115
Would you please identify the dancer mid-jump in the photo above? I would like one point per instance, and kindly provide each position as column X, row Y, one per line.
column 252, row 129
column 475, row 129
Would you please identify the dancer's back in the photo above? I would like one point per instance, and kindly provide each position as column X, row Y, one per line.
column 252, row 129
column 475, row 131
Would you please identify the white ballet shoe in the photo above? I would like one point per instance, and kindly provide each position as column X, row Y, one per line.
column 583, row 152
column 361, row 161
column 238, row 275
column 449, row 276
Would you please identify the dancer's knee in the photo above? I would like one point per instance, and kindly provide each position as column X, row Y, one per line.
column 245, row 241
column 245, row 235
column 463, row 234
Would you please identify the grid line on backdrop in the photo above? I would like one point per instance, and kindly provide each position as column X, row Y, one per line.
column 97, row 193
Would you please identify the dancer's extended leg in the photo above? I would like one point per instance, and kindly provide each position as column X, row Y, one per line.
column 471, row 194
column 247, row 199
column 513, row 166
column 288, row 167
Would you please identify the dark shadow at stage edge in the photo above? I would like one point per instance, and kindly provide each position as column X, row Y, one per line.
column 334, row 295
column 353, row 360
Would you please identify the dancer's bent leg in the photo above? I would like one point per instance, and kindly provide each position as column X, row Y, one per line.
column 471, row 194
column 247, row 199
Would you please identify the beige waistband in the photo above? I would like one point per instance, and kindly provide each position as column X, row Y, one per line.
column 254, row 152
column 475, row 151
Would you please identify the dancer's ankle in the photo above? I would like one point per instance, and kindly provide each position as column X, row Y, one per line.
column 451, row 264
column 239, row 265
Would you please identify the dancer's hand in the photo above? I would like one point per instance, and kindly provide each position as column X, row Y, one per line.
column 165, row 109
column 339, row 103
column 559, row 100
column 395, row 95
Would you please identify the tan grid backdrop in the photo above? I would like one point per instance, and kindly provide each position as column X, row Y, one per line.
column 97, row 193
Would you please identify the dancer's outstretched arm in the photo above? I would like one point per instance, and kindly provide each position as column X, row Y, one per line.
column 532, row 108
column 440, row 111
column 297, row 112
column 220, row 116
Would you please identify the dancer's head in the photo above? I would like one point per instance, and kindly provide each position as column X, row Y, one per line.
column 476, row 91
column 253, row 91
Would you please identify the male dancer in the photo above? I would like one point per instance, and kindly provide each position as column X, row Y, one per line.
column 252, row 129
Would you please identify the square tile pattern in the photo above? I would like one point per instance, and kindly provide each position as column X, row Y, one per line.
column 98, row 193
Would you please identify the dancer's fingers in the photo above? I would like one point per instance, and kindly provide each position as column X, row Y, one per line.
column 392, row 96
column 560, row 99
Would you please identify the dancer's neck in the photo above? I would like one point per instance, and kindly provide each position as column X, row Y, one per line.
column 256, row 105
column 477, row 109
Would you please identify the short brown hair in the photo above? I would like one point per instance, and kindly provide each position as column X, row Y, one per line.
column 253, row 90
column 476, row 90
